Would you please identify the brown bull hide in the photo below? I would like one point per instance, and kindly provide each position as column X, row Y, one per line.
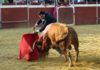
column 61, row 37
column 57, row 32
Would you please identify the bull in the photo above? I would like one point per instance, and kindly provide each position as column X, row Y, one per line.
column 60, row 37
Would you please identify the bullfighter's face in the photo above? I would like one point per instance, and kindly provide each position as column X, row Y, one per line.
column 42, row 16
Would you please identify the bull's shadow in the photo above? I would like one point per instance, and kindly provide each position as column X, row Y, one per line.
column 60, row 61
column 51, row 61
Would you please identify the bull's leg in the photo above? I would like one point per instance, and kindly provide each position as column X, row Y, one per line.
column 68, row 57
column 76, row 46
column 65, row 54
column 68, row 47
column 77, row 53
column 54, row 44
column 63, row 49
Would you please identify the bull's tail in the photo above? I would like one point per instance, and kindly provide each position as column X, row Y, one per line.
column 74, row 36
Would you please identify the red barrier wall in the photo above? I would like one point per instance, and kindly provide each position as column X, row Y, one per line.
column 14, row 17
column 14, row 14
column 18, row 17
column 0, row 18
column 99, row 15
column 66, row 15
column 0, row 15
column 85, row 15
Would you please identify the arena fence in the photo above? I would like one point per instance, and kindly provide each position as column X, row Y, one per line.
column 27, row 15
column 86, row 13
column 0, row 16
column 21, row 15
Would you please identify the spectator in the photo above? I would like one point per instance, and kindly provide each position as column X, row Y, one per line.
column 10, row 1
column 1, row 1
column 48, row 1
column 19, row 1
column 41, row 1
column 91, row 0
column 80, row 0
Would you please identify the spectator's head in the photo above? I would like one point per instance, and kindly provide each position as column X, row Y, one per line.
column 42, row 15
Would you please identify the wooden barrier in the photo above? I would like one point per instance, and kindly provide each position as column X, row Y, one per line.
column 26, row 16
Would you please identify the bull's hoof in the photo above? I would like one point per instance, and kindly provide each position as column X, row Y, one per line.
column 76, row 60
column 70, row 65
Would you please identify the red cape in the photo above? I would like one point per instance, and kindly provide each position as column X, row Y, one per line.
column 26, row 44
